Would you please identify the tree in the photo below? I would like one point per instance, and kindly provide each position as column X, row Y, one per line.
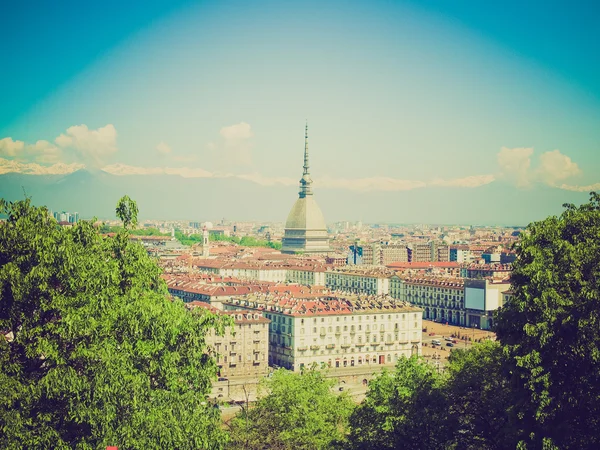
column 551, row 327
column 96, row 353
column 480, row 399
column 300, row 411
column 403, row 409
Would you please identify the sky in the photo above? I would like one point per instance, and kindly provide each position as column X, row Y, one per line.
column 400, row 96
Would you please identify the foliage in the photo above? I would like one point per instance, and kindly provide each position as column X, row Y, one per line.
column 552, row 328
column 479, row 399
column 403, row 409
column 96, row 354
column 300, row 411
column 246, row 241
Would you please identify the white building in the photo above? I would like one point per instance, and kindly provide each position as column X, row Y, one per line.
column 366, row 281
column 308, row 274
column 368, row 331
column 441, row 298
column 482, row 298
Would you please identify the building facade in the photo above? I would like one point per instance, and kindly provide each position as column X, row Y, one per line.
column 482, row 298
column 243, row 350
column 364, row 332
column 442, row 299
column 359, row 280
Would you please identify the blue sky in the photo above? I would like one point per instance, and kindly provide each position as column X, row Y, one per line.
column 400, row 96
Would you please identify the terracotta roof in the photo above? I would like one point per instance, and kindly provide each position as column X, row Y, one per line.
column 424, row 265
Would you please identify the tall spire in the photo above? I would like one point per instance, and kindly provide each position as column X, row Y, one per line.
column 306, row 149
column 305, row 181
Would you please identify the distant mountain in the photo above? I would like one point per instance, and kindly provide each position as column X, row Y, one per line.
column 174, row 197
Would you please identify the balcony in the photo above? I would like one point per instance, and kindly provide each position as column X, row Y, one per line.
column 315, row 347
column 345, row 345
column 352, row 332
column 337, row 333
column 330, row 346
column 389, row 343
column 360, row 344
column 302, row 349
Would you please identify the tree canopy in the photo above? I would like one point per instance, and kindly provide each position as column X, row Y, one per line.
column 403, row 409
column 93, row 352
column 300, row 411
column 551, row 329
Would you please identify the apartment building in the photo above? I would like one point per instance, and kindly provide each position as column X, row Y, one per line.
column 306, row 274
column 248, row 270
column 243, row 350
column 370, row 281
column 442, row 299
column 480, row 271
column 431, row 251
column 353, row 332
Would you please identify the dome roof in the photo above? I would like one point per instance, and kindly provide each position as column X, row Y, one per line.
column 306, row 215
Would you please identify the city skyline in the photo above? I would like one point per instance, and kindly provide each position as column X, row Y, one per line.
column 413, row 105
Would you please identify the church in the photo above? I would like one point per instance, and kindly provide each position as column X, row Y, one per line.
column 305, row 229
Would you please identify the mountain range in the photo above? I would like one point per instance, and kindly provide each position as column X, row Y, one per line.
column 171, row 197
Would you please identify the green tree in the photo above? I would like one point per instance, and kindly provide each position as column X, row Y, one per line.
column 301, row 411
column 403, row 409
column 551, row 328
column 480, row 399
column 96, row 353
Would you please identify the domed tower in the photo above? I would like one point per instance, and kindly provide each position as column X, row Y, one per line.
column 305, row 230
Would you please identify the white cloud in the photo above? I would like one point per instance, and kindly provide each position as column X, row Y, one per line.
column 237, row 132
column 8, row 166
column 163, row 149
column 44, row 152
column 554, row 167
column 185, row 172
column 94, row 146
column 235, row 149
column 575, row 188
column 472, row 181
column 184, row 158
column 515, row 164
column 10, row 148
column 267, row 181
column 370, row 184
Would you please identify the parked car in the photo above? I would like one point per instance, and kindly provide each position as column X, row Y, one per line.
column 431, row 334
column 222, row 379
column 448, row 339
column 454, row 341
column 436, row 342
column 449, row 344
